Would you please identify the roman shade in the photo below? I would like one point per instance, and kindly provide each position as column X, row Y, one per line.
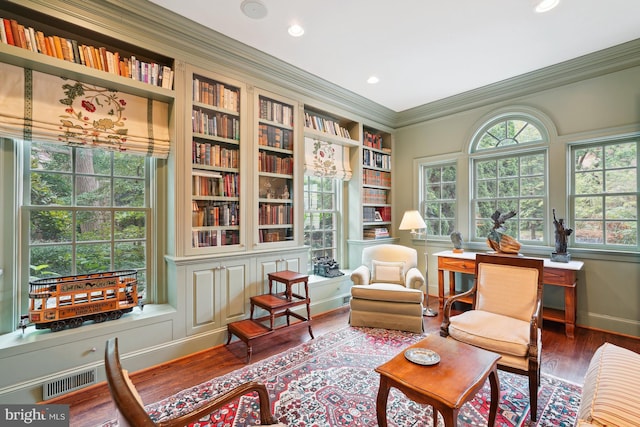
column 35, row 106
column 326, row 159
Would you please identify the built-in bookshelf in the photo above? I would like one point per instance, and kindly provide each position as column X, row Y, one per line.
column 45, row 36
column 216, row 163
column 376, row 184
column 329, row 127
column 276, row 153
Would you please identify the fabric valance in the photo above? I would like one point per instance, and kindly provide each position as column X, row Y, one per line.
column 42, row 107
column 325, row 159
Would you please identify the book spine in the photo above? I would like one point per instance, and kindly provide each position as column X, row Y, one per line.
column 3, row 31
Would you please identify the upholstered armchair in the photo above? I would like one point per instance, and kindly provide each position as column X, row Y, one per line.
column 388, row 289
column 505, row 316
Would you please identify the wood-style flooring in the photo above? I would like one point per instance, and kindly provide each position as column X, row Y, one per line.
column 562, row 357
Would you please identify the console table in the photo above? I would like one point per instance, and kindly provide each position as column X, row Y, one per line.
column 555, row 274
column 277, row 304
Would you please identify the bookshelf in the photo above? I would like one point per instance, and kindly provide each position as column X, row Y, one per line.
column 276, row 157
column 31, row 39
column 216, row 141
column 376, row 184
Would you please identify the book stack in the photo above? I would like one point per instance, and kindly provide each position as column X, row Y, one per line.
column 15, row 34
column 322, row 124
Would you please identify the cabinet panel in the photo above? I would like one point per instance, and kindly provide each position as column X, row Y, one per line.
column 235, row 292
column 294, row 261
column 204, row 297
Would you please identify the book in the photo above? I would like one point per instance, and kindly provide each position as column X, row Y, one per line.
column 3, row 32
column 9, row 32
column 14, row 31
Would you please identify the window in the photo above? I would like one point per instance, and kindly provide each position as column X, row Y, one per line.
column 604, row 194
column 509, row 172
column 439, row 196
column 85, row 211
column 321, row 217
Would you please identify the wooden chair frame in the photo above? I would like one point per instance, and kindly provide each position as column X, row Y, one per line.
column 132, row 410
column 535, row 324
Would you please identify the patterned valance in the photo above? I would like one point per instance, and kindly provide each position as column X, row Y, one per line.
column 42, row 107
column 325, row 159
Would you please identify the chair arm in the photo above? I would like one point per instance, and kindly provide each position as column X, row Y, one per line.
column 361, row 275
column 266, row 417
column 534, row 328
column 414, row 280
column 446, row 311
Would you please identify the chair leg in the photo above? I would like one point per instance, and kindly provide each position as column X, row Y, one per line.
column 533, row 393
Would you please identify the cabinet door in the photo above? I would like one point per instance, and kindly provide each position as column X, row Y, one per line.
column 203, row 298
column 294, row 261
column 234, row 290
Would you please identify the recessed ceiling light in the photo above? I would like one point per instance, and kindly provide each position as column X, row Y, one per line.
column 296, row 30
column 546, row 5
column 254, row 9
column 373, row 80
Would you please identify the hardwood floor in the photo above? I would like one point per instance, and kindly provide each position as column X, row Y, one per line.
column 562, row 357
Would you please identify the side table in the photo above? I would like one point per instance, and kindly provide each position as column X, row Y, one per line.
column 277, row 304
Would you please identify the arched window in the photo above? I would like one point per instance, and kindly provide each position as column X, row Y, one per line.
column 509, row 164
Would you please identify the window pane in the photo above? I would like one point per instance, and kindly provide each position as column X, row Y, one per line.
column 449, row 191
column 621, row 155
column 486, row 189
column 434, row 192
column 589, row 232
column 129, row 192
column 130, row 225
column 51, row 189
column 485, row 209
column 508, row 167
column 532, row 165
column 588, row 207
column 508, row 188
column 50, row 157
column 93, row 162
column 531, row 209
column 449, row 174
column 128, row 165
column 621, row 181
column 533, row 186
column 588, row 158
column 129, row 255
column 93, row 225
column 50, row 261
column 434, row 175
column 93, row 191
column 50, row 226
column 530, row 134
column 531, row 230
column 93, row 258
column 507, row 132
column 622, row 233
column 589, row 182
column 486, row 169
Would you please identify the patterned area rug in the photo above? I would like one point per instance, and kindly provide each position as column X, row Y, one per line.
column 330, row 381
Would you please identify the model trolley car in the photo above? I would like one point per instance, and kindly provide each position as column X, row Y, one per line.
column 67, row 302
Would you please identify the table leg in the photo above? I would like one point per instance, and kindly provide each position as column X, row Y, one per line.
column 441, row 288
column 452, row 283
column 381, row 402
column 495, row 395
column 569, row 311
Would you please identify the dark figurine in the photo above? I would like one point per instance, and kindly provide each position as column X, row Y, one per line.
column 456, row 239
column 562, row 233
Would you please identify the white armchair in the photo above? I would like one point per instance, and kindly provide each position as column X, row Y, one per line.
column 388, row 289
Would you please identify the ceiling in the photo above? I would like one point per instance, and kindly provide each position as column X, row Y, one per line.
column 421, row 50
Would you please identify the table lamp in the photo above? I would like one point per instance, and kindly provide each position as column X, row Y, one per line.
column 412, row 220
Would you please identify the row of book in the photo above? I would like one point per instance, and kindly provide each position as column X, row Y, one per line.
column 373, row 214
column 216, row 215
column 375, row 233
column 321, row 124
column 270, row 214
column 275, row 137
column 15, row 34
column 374, row 177
column 372, row 140
column 374, row 196
column 215, row 124
column 216, row 94
column 375, row 159
column 203, row 153
column 209, row 238
column 276, row 112
column 275, row 164
column 227, row 185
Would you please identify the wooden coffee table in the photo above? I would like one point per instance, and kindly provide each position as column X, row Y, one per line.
column 447, row 385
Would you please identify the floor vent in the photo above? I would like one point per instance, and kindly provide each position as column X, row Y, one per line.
column 68, row 383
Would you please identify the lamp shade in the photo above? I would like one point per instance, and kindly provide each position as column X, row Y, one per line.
column 412, row 220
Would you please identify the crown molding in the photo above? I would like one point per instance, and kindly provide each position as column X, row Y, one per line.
column 159, row 30
column 616, row 58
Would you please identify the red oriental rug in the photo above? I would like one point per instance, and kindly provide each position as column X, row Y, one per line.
column 330, row 381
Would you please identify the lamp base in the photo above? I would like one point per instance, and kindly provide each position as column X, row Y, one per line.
column 428, row 312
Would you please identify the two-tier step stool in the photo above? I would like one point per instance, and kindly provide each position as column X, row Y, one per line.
column 278, row 304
